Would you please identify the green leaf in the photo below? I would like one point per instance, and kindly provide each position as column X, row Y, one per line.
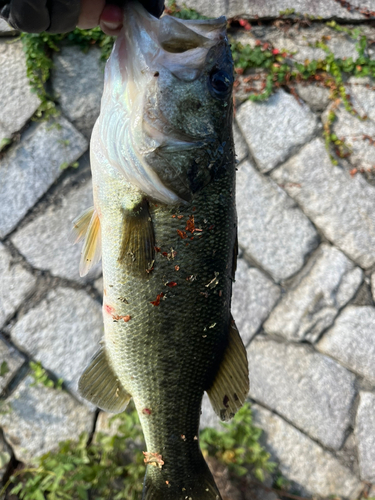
column 4, row 369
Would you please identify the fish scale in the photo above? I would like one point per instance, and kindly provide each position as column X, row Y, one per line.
column 168, row 332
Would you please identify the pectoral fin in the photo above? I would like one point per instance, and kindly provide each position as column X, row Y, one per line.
column 87, row 226
column 137, row 248
column 231, row 385
column 80, row 225
column 99, row 385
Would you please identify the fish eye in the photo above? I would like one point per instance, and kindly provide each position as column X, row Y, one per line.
column 221, row 83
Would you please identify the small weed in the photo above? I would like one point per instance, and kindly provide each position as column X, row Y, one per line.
column 237, row 445
column 280, row 69
column 40, row 376
column 105, row 469
column 183, row 12
column 4, row 369
column 5, row 142
column 39, row 49
column 66, row 165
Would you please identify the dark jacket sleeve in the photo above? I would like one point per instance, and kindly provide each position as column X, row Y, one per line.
column 54, row 16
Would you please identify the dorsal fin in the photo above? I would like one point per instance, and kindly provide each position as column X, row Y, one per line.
column 230, row 388
column 87, row 225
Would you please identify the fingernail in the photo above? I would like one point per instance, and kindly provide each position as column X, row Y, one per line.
column 110, row 26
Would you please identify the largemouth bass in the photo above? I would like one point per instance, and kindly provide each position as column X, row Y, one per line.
column 164, row 223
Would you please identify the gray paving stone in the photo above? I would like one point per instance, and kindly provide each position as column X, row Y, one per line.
column 316, row 97
column 276, row 128
column 15, row 285
column 44, row 241
column 365, row 434
column 40, row 418
column 5, row 457
column 254, row 297
column 208, row 416
column 311, row 390
column 98, row 284
column 351, row 340
column 343, row 207
column 239, row 143
column 273, row 231
column 13, row 359
column 18, row 103
column 77, row 79
column 259, row 8
column 318, row 292
column 63, row 332
column 300, row 41
column 30, row 168
column 5, row 29
column 312, row 470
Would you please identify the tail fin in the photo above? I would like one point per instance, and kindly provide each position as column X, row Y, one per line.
column 200, row 487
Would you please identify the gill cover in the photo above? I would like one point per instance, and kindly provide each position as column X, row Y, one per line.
column 126, row 133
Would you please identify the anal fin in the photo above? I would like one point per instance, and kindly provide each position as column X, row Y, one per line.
column 99, row 385
column 137, row 248
column 230, row 388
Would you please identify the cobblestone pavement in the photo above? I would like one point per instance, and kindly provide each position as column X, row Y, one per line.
column 305, row 285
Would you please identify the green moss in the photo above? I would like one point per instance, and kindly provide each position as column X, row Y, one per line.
column 39, row 49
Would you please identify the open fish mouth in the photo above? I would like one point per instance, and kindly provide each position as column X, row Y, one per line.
column 154, row 64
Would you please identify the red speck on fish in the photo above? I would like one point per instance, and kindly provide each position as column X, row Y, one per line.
column 171, row 284
column 173, row 216
column 146, row 411
column 176, row 268
column 154, row 459
column 109, row 309
column 182, row 234
column 180, row 216
column 165, row 254
column 190, row 225
column 126, row 318
column 157, row 301
column 157, row 249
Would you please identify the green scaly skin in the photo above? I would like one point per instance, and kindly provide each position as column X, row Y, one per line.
column 165, row 356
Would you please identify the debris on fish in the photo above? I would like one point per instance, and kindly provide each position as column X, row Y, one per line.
column 163, row 146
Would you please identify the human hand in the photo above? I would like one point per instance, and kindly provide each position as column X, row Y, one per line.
column 109, row 15
column 61, row 16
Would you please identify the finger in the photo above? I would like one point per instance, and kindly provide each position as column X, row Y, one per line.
column 63, row 15
column 90, row 13
column 31, row 16
column 111, row 19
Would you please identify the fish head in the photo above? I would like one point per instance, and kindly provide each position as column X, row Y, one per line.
column 166, row 114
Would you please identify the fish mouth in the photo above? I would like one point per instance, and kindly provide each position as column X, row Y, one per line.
column 171, row 42
column 132, row 124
